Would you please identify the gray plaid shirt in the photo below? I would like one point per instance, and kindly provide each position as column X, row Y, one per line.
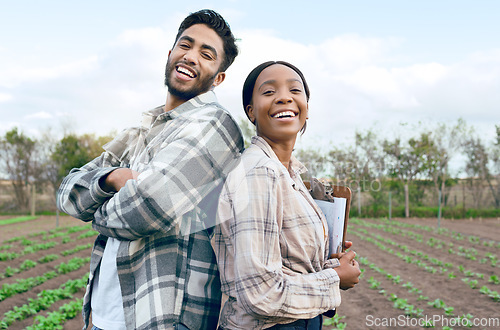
column 166, row 266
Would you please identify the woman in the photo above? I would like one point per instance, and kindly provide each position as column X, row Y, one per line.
column 271, row 244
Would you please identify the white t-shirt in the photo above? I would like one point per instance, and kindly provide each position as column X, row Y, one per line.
column 106, row 299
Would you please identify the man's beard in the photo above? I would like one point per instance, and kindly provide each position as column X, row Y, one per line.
column 204, row 84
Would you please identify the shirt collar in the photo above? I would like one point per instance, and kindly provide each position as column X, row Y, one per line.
column 150, row 116
column 296, row 166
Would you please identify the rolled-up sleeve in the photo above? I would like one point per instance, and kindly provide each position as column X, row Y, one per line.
column 79, row 194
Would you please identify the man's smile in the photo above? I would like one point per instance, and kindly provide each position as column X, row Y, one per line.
column 186, row 71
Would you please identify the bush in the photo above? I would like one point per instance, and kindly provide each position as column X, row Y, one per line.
column 379, row 211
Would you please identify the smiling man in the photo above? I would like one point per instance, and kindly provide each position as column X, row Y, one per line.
column 148, row 195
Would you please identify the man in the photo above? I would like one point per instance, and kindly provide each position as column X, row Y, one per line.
column 152, row 265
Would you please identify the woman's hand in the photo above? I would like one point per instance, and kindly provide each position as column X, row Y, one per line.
column 348, row 270
column 347, row 245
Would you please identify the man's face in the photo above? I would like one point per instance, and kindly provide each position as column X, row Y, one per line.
column 193, row 64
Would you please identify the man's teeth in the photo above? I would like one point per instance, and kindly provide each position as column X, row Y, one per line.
column 185, row 71
column 285, row 114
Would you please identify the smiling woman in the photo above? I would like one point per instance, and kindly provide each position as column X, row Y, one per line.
column 279, row 106
column 272, row 241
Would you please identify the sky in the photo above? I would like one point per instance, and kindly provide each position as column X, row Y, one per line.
column 386, row 65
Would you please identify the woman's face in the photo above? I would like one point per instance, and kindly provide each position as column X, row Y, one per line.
column 279, row 106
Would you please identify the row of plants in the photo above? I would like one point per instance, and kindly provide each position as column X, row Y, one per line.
column 56, row 319
column 382, row 243
column 403, row 303
column 51, row 233
column 467, row 252
column 44, row 300
column 23, row 285
column 29, row 264
column 17, row 220
column 405, row 229
column 32, row 247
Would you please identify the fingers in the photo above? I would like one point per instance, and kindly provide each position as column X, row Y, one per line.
column 349, row 255
column 337, row 255
column 347, row 245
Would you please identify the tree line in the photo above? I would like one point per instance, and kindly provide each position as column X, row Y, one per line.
column 419, row 165
column 414, row 163
column 29, row 163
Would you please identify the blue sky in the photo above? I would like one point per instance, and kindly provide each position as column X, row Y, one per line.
column 94, row 66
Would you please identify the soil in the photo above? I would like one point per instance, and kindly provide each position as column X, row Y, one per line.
column 42, row 224
column 361, row 306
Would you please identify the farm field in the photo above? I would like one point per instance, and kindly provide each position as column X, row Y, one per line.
column 409, row 270
column 43, row 269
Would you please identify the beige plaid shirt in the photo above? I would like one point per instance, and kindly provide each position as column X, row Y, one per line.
column 271, row 245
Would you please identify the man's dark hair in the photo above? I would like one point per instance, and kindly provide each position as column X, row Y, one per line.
column 217, row 23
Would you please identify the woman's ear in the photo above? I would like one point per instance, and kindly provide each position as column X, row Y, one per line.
column 250, row 113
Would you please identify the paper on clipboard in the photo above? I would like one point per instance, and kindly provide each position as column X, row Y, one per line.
column 335, row 217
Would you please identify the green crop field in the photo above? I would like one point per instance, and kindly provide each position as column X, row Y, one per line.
column 413, row 274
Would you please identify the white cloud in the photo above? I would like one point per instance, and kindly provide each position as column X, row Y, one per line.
column 17, row 74
column 346, row 53
column 4, row 97
column 39, row 115
column 356, row 83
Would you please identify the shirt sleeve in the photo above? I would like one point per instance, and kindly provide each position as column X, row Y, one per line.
column 182, row 173
column 79, row 194
column 265, row 288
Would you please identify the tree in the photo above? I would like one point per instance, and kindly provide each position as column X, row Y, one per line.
column 72, row 151
column 313, row 160
column 476, row 168
column 20, row 163
column 438, row 145
column 75, row 151
column 495, row 173
column 361, row 165
column 406, row 164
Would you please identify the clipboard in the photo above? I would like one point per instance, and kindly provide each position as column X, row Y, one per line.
column 338, row 192
column 343, row 192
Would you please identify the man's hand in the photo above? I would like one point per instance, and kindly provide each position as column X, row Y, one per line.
column 348, row 271
column 116, row 179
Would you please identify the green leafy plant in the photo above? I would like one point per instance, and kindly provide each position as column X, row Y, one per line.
column 494, row 279
column 336, row 322
column 374, row 284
